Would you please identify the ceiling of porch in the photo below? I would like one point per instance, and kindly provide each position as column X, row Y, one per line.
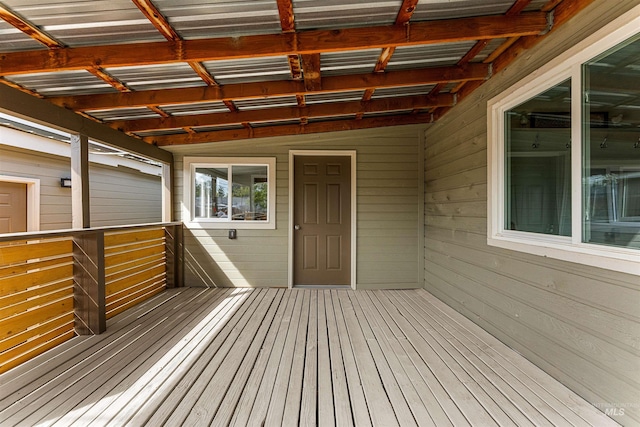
column 190, row 71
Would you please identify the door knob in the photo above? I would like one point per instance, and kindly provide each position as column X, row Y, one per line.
column 296, row 227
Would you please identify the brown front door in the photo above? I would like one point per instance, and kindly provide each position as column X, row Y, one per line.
column 13, row 207
column 322, row 220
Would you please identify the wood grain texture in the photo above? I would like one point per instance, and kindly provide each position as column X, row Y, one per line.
column 248, row 357
column 577, row 322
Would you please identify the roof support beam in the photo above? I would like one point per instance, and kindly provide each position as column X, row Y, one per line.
column 35, row 33
column 283, row 130
column 15, row 102
column 272, row 89
column 304, row 42
column 311, row 72
column 287, row 113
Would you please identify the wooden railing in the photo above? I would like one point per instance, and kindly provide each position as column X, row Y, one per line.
column 58, row 284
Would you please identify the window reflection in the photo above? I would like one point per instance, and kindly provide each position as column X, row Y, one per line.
column 611, row 156
column 538, row 163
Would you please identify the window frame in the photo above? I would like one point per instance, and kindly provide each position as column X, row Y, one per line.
column 568, row 65
column 188, row 203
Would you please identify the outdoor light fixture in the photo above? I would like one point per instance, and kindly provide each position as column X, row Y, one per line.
column 65, row 182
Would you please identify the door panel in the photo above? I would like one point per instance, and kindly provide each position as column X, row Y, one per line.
column 13, row 207
column 322, row 215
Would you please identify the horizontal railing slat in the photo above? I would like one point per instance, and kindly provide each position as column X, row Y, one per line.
column 41, row 329
column 35, row 348
column 111, row 250
column 120, row 258
column 131, row 300
column 31, row 266
column 22, row 282
column 21, row 322
column 58, row 291
column 122, row 238
column 20, row 253
column 119, row 271
column 105, row 270
column 129, row 281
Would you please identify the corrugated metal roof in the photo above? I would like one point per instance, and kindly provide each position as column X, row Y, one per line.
column 150, row 77
column 194, row 19
column 488, row 49
column 275, row 123
column 352, row 62
column 255, row 104
column 87, row 22
column 200, row 108
column 124, row 114
column 62, row 83
column 98, row 22
column 433, row 55
column 429, row 10
column 332, row 118
column 319, row 98
column 160, row 132
column 12, row 39
column 402, row 91
column 249, row 70
column 215, row 128
column 312, row 14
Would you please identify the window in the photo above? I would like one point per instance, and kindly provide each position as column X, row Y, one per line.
column 611, row 149
column 564, row 155
column 230, row 192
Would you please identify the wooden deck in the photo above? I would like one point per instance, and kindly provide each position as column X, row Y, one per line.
column 279, row 357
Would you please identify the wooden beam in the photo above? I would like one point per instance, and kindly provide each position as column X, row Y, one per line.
column 89, row 283
column 562, row 13
column 283, row 130
column 103, row 75
column 23, row 105
column 306, row 42
column 512, row 48
column 80, row 199
column 157, row 19
column 287, row 20
column 286, row 113
column 203, row 73
column 32, row 31
column 517, row 7
column 272, row 89
column 311, row 72
column 406, row 11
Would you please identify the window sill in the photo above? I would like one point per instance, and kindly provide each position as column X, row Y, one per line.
column 224, row 225
column 561, row 248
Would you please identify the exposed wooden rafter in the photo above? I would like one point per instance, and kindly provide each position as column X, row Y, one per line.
column 271, row 89
column 404, row 16
column 287, row 113
column 166, row 29
column 304, row 42
column 37, row 34
column 284, row 130
column 32, row 31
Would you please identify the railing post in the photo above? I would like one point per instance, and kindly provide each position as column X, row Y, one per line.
column 89, row 283
column 175, row 255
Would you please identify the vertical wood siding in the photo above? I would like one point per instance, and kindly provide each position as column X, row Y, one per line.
column 389, row 212
column 580, row 324
column 119, row 196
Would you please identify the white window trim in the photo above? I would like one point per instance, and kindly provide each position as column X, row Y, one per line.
column 188, row 202
column 33, row 199
column 567, row 65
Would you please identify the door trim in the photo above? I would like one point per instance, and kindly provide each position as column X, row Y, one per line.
column 33, row 199
column 352, row 155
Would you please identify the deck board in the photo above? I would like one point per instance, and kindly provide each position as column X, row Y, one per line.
column 288, row 357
